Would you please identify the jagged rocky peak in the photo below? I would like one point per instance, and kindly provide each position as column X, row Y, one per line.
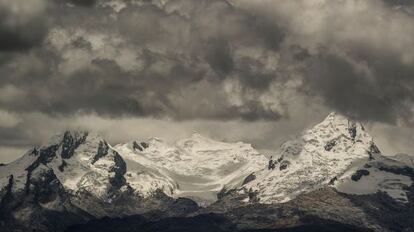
column 80, row 161
column 67, row 137
column 61, row 146
column 140, row 145
column 336, row 123
column 338, row 133
column 72, row 140
column 335, row 134
column 86, row 162
column 314, row 159
column 65, row 145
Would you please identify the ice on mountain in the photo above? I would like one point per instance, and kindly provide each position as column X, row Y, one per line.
column 196, row 167
column 318, row 156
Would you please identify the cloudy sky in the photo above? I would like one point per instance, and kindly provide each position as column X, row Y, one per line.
column 259, row 71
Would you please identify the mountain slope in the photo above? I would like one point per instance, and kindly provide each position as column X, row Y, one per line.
column 81, row 162
column 196, row 167
column 331, row 177
column 319, row 156
column 79, row 176
column 332, row 172
column 32, row 195
column 382, row 174
column 75, row 176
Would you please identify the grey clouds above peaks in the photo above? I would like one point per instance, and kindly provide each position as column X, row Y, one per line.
column 23, row 24
column 180, row 60
column 215, row 60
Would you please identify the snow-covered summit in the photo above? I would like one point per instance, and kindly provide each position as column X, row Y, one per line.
column 196, row 167
column 78, row 174
column 331, row 153
column 84, row 163
column 318, row 157
column 80, row 162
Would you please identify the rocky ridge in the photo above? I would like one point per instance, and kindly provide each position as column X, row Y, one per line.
column 331, row 178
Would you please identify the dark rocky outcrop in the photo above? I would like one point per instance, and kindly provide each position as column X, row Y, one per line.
column 102, row 151
column 332, row 181
column 141, row 146
column 119, row 169
column 283, row 165
column 352, row 129
column 373, row 150
column 330, row 145
column 406, row 171
column 358, row 174
column 136, row 146
column 144, row 145
column 71, row 141
column 62, row 166
column 8, row 197
column 249, row 178
column 41, row 189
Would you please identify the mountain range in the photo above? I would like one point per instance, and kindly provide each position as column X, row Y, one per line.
column 331, row 177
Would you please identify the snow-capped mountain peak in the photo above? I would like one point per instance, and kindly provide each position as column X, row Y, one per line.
column 336, row 134
column 79, row 161
column 318, row 157
column 196, row 167
column 78, row 174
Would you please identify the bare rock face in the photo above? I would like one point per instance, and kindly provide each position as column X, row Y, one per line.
column 326, row 206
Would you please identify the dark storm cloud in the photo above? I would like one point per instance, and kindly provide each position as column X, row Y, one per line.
column 399, row 2
column 219, row 57
column 158, row 55
column 382, row 93
column 358, row 54
column 256, row 71
column 86, row 3
column 22, row 24
column 222, row 60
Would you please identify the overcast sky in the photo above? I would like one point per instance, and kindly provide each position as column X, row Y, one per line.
column 258, row 71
